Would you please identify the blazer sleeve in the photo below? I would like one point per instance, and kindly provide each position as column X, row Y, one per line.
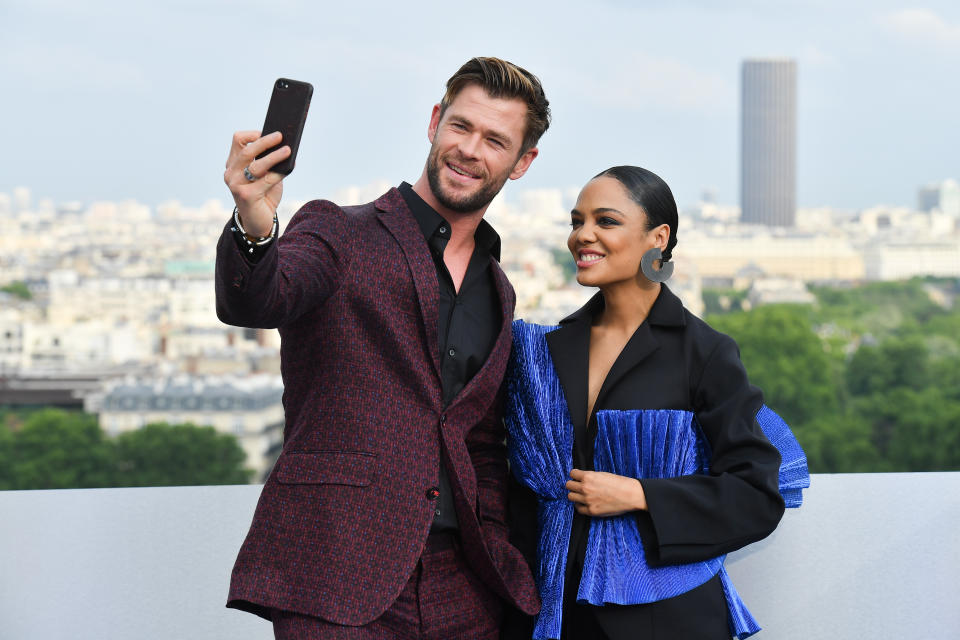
column 693, row 518
column 297, row 273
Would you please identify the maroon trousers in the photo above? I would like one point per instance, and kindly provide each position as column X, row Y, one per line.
column 443, row 600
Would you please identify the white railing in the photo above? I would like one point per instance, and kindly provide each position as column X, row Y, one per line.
column 867, row 556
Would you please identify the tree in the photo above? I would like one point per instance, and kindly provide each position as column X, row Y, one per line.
column 784, row 357
column 6, row 457
column 877, row 308
column 17, row 289
column 894, row 363
column 56, row 449
column 565, row 261
column 839, row 444
column 164, row 455
column 914, row 430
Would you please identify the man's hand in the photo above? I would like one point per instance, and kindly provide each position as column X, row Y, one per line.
column 598, row 493
column 256, row 199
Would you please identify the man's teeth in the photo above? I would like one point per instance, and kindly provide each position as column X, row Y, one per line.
column 590, row 257
column 462, row 172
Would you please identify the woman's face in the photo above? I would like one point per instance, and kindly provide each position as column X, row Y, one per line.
column 609, row 235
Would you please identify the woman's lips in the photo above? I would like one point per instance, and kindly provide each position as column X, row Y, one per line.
column 587, row 258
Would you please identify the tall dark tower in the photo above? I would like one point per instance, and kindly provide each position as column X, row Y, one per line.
column 768, row 142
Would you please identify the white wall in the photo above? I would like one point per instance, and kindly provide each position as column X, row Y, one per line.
column 868, row 556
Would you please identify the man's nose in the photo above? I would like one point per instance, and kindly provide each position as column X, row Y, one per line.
column 469, row 146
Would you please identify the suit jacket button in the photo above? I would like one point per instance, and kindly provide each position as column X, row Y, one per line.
column 433, row 493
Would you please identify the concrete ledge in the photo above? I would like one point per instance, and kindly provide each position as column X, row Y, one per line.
column 867, row 556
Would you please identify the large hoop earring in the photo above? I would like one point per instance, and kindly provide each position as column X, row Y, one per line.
column 652, row 273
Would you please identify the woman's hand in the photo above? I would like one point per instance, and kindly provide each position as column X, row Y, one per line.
column 598, row 493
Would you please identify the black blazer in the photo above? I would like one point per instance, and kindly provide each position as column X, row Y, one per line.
column 673, row 361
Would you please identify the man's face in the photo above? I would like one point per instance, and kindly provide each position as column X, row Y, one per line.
column 475, row 148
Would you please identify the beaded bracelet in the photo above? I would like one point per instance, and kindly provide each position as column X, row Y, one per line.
column 254, row 240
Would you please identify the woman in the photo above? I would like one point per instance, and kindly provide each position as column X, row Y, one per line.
column 636, row 440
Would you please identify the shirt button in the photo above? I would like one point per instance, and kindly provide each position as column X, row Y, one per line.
column 452, row 352
column 443, row 229
column 433, row 493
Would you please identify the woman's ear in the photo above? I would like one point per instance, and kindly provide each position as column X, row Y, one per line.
column 662, row 236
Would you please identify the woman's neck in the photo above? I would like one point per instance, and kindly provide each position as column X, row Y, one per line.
column 626, row 306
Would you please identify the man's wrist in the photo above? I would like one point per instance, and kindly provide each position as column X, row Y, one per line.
column 251, row 239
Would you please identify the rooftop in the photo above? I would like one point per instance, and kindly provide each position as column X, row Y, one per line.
column 867, row 556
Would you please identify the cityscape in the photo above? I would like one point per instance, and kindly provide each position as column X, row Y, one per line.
column 103, row 309
column 812, row 148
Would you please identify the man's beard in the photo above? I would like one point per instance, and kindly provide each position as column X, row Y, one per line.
column 466, row 204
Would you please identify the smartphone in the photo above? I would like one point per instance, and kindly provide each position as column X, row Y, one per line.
column 287, row 114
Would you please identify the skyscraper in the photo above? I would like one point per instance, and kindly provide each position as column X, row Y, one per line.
column 768, row 142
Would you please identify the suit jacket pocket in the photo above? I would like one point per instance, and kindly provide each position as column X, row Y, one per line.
column 353, row 468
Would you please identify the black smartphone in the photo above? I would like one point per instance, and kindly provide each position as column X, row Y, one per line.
column 287, row 114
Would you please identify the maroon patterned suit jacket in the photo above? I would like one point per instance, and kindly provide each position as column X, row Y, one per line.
column 345, row 513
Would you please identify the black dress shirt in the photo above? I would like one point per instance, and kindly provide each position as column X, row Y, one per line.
column 469, row 319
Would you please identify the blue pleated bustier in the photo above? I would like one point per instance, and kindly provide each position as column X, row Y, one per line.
column 663, row 443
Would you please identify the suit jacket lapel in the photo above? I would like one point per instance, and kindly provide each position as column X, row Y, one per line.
column 570, row 351
column 507, row 305
column 496, row 363
column 399, row 221
column 667, row 310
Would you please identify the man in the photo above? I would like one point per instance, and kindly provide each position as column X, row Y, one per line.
column 384, row 514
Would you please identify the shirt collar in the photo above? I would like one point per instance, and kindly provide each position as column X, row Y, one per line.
column 667, row 309
column 432, row 224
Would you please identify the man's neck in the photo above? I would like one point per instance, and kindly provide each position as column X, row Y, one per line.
column 463, row 226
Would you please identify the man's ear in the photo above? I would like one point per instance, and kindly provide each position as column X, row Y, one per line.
column 434, row 123
column 523, row 163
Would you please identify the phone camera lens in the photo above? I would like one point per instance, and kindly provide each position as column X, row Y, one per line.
column 282, row 84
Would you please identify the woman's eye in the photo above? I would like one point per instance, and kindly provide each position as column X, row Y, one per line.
column 575, row 223
column 607, row 222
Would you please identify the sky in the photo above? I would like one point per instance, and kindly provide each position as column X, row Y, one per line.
column 116, row 100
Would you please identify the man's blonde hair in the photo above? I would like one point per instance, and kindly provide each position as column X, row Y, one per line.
column 502, row 79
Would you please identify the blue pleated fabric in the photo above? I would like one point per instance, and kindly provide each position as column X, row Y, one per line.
column 639, row 444
column 794, row 473
column 540, row 438
column 650, row 443
column 656, row 443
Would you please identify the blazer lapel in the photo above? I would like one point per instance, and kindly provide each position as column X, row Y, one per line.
column 569, row 348
column 667, row 310
column 507, row 305
column 496, row 363
column 399, row 221
column 640, row 345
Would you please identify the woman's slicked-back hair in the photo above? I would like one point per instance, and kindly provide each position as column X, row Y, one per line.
column 502, row 79
column 653, row 195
